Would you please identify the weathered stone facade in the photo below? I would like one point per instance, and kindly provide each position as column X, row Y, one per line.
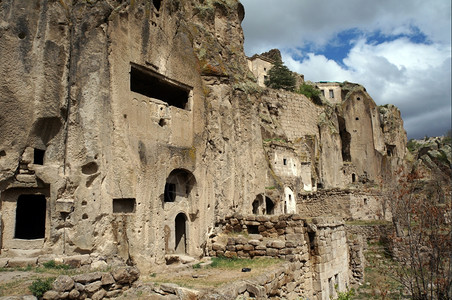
column 129, row 127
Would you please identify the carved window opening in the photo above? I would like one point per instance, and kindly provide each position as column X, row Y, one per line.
column 154, row 85
column 365, row 201
column 311, row 236
column 157, row 4
column 390, row 150
column 270, row 206
column 331, row 286
column 256, row 205
column 124, row 205
column 180, row 224
column 353, row 177
column 323, row 92
column 30, row 217
column 285, row 161
column 357, row 119
column 259, row 208
column 179, row 185
column 331, row 93
column 38, row 156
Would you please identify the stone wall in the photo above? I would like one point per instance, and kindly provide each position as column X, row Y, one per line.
column 297, row 115
column 319, row 247
column 347, row 204
column 96, row 286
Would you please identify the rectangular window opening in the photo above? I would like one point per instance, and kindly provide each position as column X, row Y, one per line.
column 154, row 85
column 38, row 156
column 30, row 217
column 284, row 161
column 331, row 93
column 124, row 205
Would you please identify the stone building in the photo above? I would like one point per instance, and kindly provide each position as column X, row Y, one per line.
column 330, row 90
column 259, row 66
column 129, row 127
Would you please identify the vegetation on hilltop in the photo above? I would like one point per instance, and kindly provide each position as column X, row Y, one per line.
column 280, row 77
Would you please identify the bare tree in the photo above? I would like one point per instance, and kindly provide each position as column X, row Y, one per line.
column 422, row 235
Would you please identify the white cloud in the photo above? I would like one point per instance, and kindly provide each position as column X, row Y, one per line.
column 415, row 77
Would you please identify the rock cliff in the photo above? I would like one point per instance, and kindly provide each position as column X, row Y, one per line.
column 131, row 127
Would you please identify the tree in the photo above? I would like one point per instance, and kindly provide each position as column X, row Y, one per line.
column 422, row 240
column 280, row 77
column 311, row 92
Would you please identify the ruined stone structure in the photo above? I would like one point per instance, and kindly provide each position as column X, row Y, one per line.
column 130, row 127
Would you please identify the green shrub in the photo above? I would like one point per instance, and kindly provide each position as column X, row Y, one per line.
column 51, row 264
column 40, row 286
column 311, row 92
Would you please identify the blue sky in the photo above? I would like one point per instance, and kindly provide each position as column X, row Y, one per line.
column 399, row 50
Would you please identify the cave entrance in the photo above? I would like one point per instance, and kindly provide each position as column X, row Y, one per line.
column 181, row 234
column 30, row 217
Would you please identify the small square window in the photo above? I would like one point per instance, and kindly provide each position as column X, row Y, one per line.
column 124, row 205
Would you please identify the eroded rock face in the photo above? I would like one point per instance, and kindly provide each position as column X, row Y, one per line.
column 129, row 127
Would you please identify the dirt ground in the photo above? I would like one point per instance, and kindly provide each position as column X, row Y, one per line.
column 16, row 281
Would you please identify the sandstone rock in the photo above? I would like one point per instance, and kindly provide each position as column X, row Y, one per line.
column 98, row 265
column 107, row 279
column 93, row 287
column 100, row 294
column 51, row 295
column 74, row 294
column 63, row 283
column 87, row 278
column 126, row 275
column 21, row 262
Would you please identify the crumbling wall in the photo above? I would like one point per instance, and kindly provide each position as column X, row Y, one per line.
column 319, row 247
column 347, row 204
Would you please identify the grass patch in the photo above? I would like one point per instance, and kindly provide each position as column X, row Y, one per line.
column 379, row 278
column 40, row 286
column 51, row 264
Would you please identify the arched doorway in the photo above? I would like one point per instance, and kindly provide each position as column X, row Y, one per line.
column 180, row 226
column 178, row 185
column 263, row 205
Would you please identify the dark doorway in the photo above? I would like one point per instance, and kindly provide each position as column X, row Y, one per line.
column 181, row 233
column 30, row 217
column 170, row 192
column 270, row 206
